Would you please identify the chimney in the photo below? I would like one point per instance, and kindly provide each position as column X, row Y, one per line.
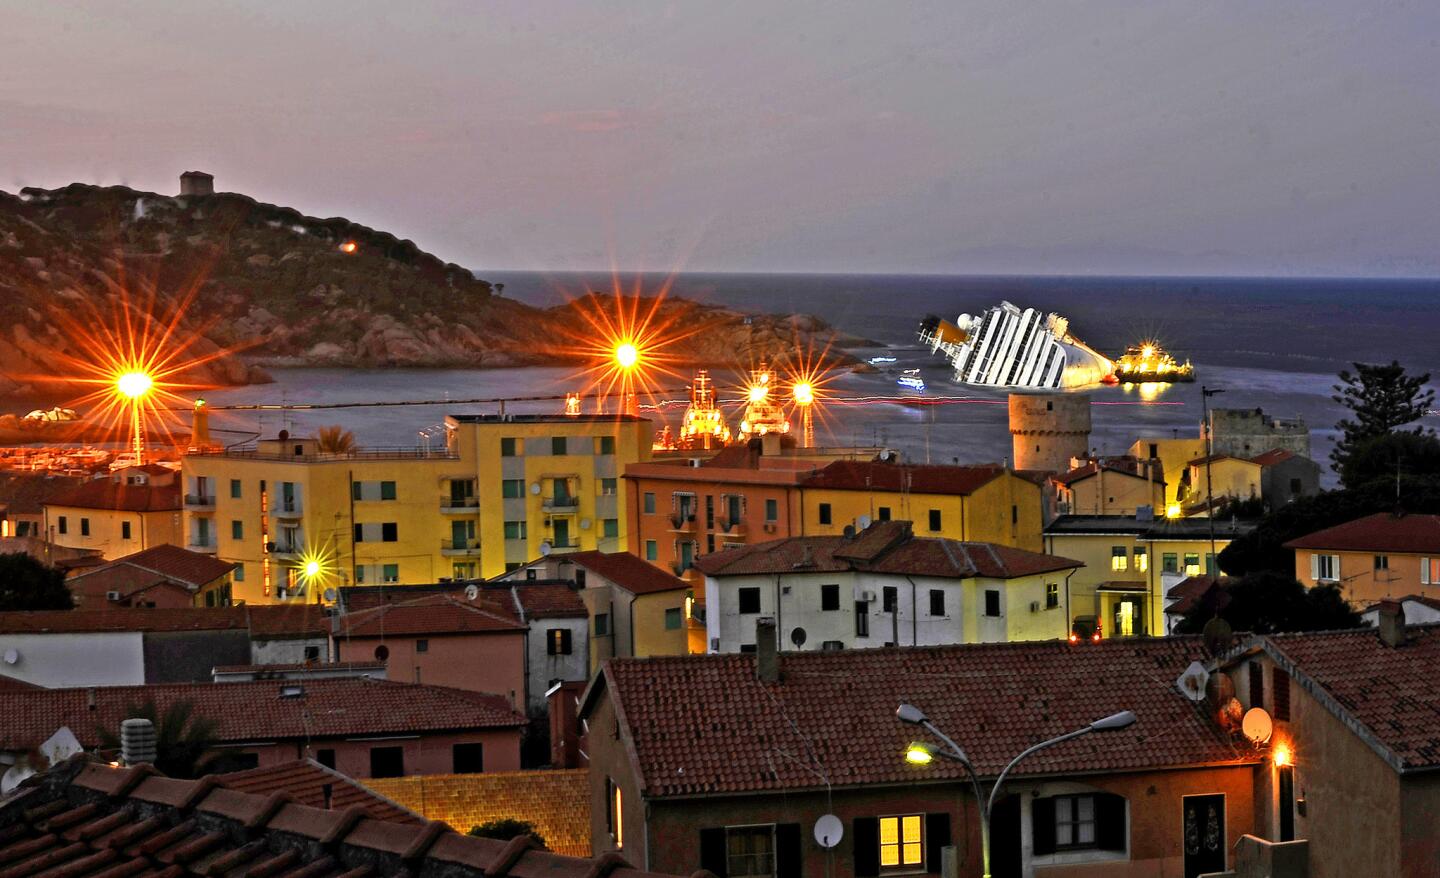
column 770, row 444
column 767, row 653
column 1392, row 623
column 137, row 741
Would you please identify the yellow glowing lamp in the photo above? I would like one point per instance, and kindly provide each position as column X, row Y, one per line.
column 758, row 392
column 1148, row 352
column 804, row 394
column 133, row 384
column 1282, row 755
column 1172, row 511
column 919, row 754
column 627, row 355
column 311, row 569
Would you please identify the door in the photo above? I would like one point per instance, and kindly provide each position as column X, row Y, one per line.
column 1286, row 781
column 562, row 532
column 1203, row 834
column 1127, row 618
column 1005, row 856
column 460, row 534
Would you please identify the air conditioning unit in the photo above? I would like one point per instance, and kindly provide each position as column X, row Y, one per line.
column 864, row 595
column 1034, row 606
column 769, row 527
column 112, row 595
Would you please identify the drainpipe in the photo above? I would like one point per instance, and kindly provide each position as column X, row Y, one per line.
column 779, row 626
column 1068, row 618
column 914, row 614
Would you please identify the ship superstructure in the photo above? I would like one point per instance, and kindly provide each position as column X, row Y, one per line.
column 703, row 425
column 1009, row 347
column 1149, row 362
column 763, row 412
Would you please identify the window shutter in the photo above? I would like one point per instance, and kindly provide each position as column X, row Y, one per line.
column 1314, row 566
column 1042, row 824
column 1336, row 571
column 866, row 832
column 937, row 836
column 787, row 850
column 1280, row 682
column 1109, row 822
column 565, row 634
column 712, row 851
column 1424, row 571
column 1257, row 685
column 550, row 642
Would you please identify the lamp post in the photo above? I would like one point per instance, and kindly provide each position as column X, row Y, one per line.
column 1205, row 394
column 921, row 753
column 135, row 385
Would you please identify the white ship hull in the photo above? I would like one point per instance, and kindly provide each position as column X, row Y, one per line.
column 1008, row 347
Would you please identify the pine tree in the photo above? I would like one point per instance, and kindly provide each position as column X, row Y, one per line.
column 1380, row 398
column 27, row 584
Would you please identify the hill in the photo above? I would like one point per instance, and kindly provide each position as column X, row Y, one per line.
column 280, row 287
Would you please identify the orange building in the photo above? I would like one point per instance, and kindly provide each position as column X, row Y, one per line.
column 1379, row 556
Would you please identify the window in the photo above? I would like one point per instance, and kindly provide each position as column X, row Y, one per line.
column 1192, row 563
column 1142, row 559
column 239, row 574
column 326, row 757
column 1074, row 822
column 832, row 645
column 235, row 489
column 1052, row 595
column 883, row 513
column 608, row 487
column 422, row 645
column 937, row 602
column 84, row 527
column 514, row 530
column 610, row 528
column 652, row 550
column 1094, row 821
column 1014, row 514
column 935, row 519
column 357, row 491
column 507, row 447
column 1119, row 559
column 387, row 490
column 772, row 510
column 1382, row 562
column 1280, row 683
column 750, row 851
column 1256, row 676
column 604, row 444
column 673, row 618
column 62, row 524
column 387, row 761
column 602, row 624
column 557, row 446
column 749, row 600
column 511, row 489
column 389, row 532
column 992, row 602
column 390, row 573
column 125, row 530
column 1170, row 562
column 557, row 641
column 614, row 812
column 468, row 758
column 829, row 597
column 824, row 513
column 890, row 599
column 1325, row 568
column 237, row 530
column 862, row 619
column 902, row 842
column 312, row 653
column 649, row 503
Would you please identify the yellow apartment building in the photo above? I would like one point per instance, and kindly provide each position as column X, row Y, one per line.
column 502, row 490
column 129, row 510
column 1174, row 456
column 1229, row 478
column 1119, row 486
column 1130, row 565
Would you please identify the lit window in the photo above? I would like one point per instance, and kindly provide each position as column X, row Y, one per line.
column 902, row 842
column 1142, row 560
column 1119, row 559
column 614, row 813
column 1192, row 563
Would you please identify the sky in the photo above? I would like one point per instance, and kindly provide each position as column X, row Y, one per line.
column 987, row 136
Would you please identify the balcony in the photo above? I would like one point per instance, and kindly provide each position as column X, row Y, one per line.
column 682, row 520
column 561, row 505
column 287, row 551
column 200, row 502
column 204, row 548
column 459, row 548
column 459, row 505
column 735, row 527
column 286, row 507
column 564, row 548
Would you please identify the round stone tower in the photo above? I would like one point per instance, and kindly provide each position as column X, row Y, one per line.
column 1047, row 429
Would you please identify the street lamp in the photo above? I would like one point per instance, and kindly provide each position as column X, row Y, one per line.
column 922, row 753
column 135, row 385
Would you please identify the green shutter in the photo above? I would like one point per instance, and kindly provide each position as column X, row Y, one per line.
column 1042, row 824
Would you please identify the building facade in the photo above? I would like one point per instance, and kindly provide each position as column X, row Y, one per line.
column 129, row 510
column 1373, row 558
column 1111, row 486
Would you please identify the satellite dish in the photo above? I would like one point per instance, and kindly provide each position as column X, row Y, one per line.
column 546, row 548
column 828, row 831
column 863, row 522
column 1218, row 635
column 472, row 592
column 1230, row 715
column 535, row 487
column 12, row 656
column 330, row 595
column 584, row 524
column 14, row 777
column 797, row 636
column 1256, row 725
column 1192, row 683
column 382, row 652
column 60, row 746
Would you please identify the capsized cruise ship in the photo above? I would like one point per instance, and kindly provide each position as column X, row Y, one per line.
column 1008, row 347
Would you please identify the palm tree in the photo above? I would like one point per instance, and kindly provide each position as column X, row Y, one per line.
column 183, row 742
column 335, row 439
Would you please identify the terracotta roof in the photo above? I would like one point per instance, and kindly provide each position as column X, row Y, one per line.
column 108, row 494
column 430, row 614
column 628, row 571
column 25, row 494
column 884, row 547
column 706, row 724
column 857, row 475
column 13, row 683
column 263, row 622
column 1125, row 466
column 1193, row 589
column 169, row 562
column 556, row 803
column 1389, row 691
column 82, row 821
column 257, row 711
column 305, row 780
column 1432, row 603
column 1216, row 458
column 1273, row 456
column 548, row 600
column 285, row 621
column 1381, row 532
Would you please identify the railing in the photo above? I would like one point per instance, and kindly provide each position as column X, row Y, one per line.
column 287, row 549
column 682, row 520
column 731, row 525
column 204, row 547
column 194, row 500
column 560, row 504
column 459, row 547
column 377, row 453
column 286, row 506
column 564, row 547
column 459, row 504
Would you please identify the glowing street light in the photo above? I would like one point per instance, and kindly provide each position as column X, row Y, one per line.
column 627, row 355
column 135, row 385
column 803, row 393
column 311, row 569
column 349, row 247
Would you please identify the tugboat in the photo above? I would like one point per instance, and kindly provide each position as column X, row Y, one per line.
column 1147, row 362
column 911, row 378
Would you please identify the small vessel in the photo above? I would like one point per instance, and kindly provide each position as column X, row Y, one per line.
column 1148, row 362
column 1009, row 347
column 881, row 361
column 914, row 382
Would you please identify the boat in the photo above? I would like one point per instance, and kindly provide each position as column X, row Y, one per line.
column 1010, row 347
column 881, row 361
column 914, row 382
column 1148, row 362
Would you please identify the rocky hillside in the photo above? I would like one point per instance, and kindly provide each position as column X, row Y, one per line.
column 288, row 289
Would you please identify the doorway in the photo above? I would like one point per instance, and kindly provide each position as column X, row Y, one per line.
column 562, row 532
column 1203, row 834
column 1005, row 856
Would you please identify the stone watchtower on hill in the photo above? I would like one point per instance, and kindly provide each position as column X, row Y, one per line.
column 1048, row 429
column 197, row 183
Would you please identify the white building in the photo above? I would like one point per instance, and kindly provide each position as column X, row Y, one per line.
column 557, row 647
column 882, row 587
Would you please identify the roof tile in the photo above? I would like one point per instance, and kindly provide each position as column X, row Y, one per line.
column 1381, row 532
